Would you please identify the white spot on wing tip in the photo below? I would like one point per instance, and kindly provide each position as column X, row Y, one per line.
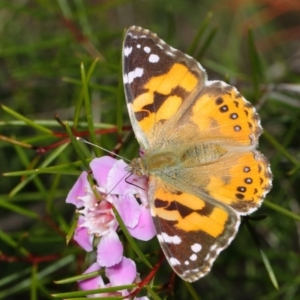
column 174, row 261
column 159, row 237
column 213, row 247
column 127, row 51
column 137, row 72
column 196, row 248
column 153, row 58
column 200, row 67
column 147, row 49
column 193, row 257
column 170, row 239
column 125, row 78
column 169, row 53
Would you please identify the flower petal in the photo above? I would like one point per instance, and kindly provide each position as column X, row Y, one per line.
column 92, row 283
column 82, row 237
column 116, row 177
column 128, row 209
column 101, row 167
column 78, row 190
column 110, row 250
column 145, row 229
column 122, row 273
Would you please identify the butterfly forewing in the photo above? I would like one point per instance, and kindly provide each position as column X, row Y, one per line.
column 160, row 83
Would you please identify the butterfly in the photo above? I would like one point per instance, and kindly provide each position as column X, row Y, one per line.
column 199, row 139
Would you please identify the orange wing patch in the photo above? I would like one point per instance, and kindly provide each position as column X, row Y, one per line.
column 178, row 76
column 243, row 185
column 163, row 96
column 222, row 113
column 189, row 212
column 214, row 224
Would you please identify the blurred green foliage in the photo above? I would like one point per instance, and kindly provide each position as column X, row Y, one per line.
column 253, row 45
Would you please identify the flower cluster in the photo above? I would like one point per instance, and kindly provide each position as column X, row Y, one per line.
column 97, row 222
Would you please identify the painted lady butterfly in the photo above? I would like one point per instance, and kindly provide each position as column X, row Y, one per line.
column 199, row 139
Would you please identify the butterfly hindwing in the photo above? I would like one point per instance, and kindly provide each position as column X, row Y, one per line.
column 240, row 180
column 221, row 115
column 192, row 231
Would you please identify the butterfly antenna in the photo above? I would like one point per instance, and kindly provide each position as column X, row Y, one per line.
column 108, row 193
column 126, row 176
column 110, row 152
column 129, row 174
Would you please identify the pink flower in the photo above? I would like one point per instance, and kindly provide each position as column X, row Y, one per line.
column 97, row 218
column 121, row 274
column 92, row 283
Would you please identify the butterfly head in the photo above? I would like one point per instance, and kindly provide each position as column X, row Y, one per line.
column 137, row 167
